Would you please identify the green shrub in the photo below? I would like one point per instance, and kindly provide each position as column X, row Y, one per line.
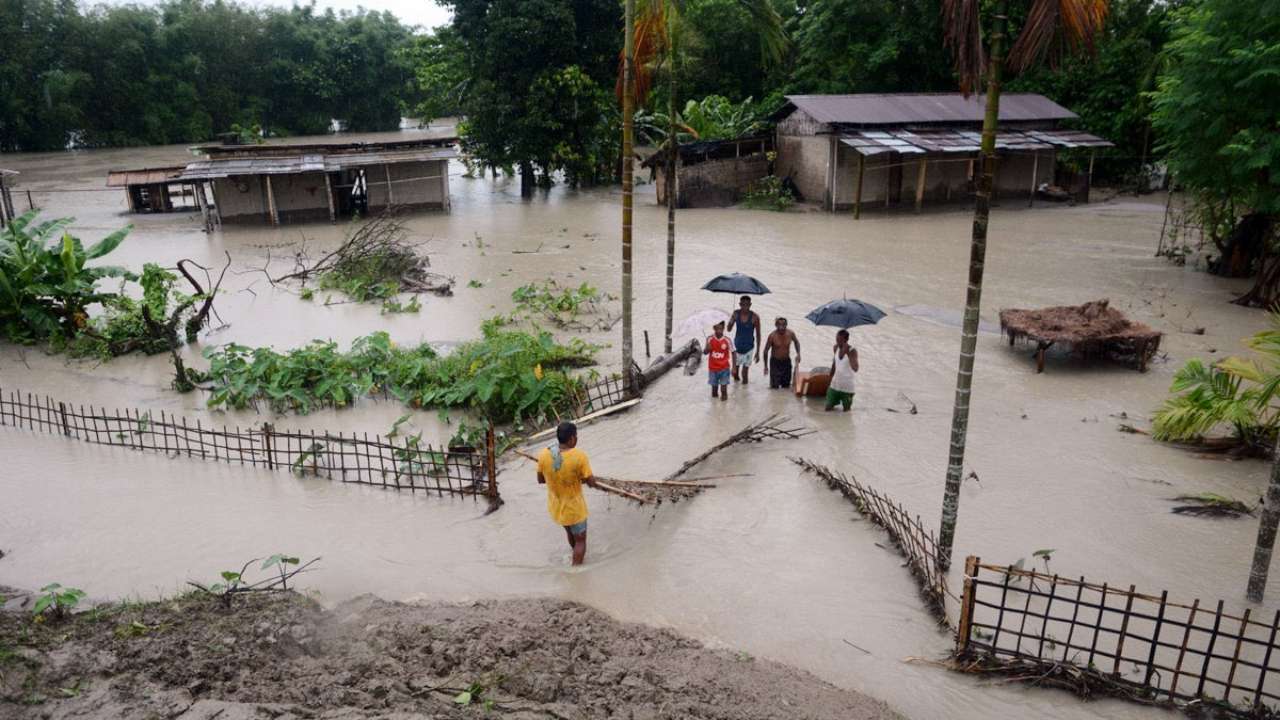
column 767, row 193
column 507, row 375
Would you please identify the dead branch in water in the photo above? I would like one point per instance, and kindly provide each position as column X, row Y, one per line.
column 1210, row 505
column 769, row 428
column 378, row 250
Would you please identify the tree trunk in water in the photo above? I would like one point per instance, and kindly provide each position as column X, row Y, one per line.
column 673, row 147
column 628, row 168
column 973, row 300
column 526, row 179
column 1266, row 533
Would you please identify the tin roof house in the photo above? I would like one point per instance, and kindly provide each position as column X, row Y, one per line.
column 851, row 151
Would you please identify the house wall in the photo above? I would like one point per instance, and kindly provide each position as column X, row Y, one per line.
column 1013, row 173
column 800, row 122
column 237, row 206
column 414, row 184
column 714, row 183
column 947, row 178
column 300, row 197
column 805, row 160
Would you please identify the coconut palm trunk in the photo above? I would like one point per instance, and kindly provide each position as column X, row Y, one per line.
column 973, row 299
column 628, row 168
column 1266, row 533
column 673, row 151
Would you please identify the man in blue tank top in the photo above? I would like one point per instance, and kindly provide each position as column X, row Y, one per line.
column 746, row 339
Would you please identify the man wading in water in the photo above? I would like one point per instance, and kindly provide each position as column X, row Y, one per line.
column 777, row 356
column 743, row 341
column 844, row 363
column 564, row 469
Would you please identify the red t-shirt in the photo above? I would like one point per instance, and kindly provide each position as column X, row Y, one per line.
column 718, row 359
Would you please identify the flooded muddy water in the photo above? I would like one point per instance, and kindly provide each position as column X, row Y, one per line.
column 773, row 563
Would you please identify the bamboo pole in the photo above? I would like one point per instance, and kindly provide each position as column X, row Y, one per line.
column 628, row 170
column 271, row 203
column 920, row 176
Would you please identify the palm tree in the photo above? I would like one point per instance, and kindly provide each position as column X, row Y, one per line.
column 658, row 33
column 1052, row 29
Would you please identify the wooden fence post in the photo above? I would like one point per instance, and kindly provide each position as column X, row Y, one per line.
column 62, row 411
column 966, row 604
column 491, row 460
column 266, row 443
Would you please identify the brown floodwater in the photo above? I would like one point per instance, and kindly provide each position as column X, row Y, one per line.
column 773, row 564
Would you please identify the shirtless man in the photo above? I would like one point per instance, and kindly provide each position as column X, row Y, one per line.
column 777, row 356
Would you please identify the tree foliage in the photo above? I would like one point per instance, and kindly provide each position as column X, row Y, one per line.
column 537, row 94
column 1216, row 105
column 184, row 70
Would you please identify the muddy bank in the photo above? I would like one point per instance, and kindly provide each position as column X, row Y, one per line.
column 284, row 656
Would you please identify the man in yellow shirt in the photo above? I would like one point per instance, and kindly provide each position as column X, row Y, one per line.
column 563, row 468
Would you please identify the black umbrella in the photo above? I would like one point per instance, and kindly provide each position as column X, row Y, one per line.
column 736, row 283
column 846, row 313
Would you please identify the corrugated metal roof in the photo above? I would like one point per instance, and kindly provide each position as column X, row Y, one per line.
column 295, row 164
column 908, row 108
column 914, row 142
column 145, row 176
column 346, row 160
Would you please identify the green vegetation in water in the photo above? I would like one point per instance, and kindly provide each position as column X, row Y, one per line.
column 565, row 306
column 1237, row 393
column 375, row 263
column 1210, row 504
column 507, row 375
column 768, row 193
column 47, row 288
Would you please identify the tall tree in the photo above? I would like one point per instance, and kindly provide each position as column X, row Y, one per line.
column 1226, row 54
column 1052, row 29
column 658, row 36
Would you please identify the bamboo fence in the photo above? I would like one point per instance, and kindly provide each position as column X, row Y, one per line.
column 908, row 533
column 389, row 462
column 1117, row 641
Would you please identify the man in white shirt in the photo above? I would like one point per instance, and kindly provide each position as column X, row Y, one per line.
column 844, row 363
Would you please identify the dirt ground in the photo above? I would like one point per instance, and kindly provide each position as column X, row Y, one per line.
column 283, row 656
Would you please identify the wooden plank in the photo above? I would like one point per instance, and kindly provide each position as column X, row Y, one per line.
column 1208, row 653
column 920, row 176
column 1155, row 638
column 272, row 215
column 966, row 604
column 1124, row 628
column 857, row 197
column 1182, row 653
column 1235, row 657
column 328, row 193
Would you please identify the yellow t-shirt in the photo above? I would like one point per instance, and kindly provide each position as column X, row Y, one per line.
column 564, row 486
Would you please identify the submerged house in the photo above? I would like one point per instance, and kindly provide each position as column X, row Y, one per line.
column 155, row 190
column 298, row 183
column 891, row 149
column 712, row 173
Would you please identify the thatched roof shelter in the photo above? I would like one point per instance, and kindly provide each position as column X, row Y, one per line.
column 1092, row 330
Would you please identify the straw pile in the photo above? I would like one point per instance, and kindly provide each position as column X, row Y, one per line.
column 1092, row 329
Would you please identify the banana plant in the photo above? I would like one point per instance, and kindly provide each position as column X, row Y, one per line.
column 46, row 283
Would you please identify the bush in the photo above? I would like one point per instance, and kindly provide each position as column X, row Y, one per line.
column 768, row 193
column 507, row 375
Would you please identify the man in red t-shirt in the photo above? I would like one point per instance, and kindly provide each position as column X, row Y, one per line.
column 717, row 351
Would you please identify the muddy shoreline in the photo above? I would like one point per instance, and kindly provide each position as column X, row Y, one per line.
column 285, row 656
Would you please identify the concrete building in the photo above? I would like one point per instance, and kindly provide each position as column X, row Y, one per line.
column 300, row 183
column 852, row 151
column 713, row 173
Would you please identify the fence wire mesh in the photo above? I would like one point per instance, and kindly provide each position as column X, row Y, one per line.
column 397, row 463
column 1122, row 641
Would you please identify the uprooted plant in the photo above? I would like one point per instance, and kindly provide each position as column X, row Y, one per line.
column 1208, row 504
column 574, row 308
column 375, row 263
column 284, row 568
column 507, row 375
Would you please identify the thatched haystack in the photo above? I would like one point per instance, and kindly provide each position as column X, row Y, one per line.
column 1092, row 330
